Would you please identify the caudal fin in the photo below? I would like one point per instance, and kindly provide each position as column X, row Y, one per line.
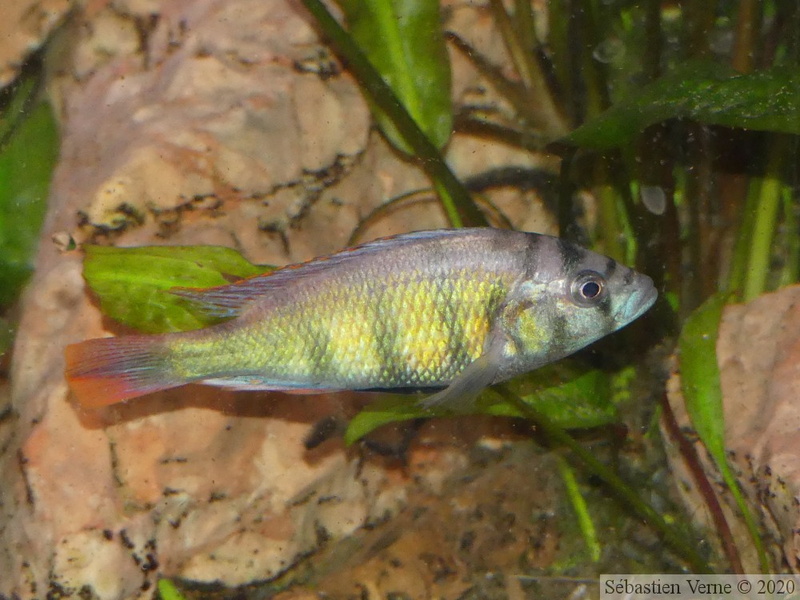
column 110, row 370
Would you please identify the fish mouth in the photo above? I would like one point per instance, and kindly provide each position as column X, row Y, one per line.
column 639, row 302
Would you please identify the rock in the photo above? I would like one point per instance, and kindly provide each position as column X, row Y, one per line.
column 24, row 26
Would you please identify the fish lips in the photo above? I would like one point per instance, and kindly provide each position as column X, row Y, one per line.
column 638, row 302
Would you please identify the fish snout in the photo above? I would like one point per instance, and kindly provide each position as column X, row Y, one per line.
column 641, row 297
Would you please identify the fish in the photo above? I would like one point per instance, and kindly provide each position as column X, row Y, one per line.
column 451, row 311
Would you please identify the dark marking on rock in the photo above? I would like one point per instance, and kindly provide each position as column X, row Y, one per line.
column 126, row 541
column 321, row 64
column 86, row 593
column 150, row 563
column 466, row 541
column 438, row 566
column 22, row 461
column 56, row 591
column 322, row 534
column 173, row 459
column 112, row 448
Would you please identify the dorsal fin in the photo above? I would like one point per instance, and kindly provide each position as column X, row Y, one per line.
column 228, row 301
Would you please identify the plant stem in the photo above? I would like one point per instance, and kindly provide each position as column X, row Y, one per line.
column 791, row 268
column 477, row 126
column 748, row 22
column 704, row 488
column 699, row 22
column 609, row 218
column 742, row 242
column 579, row 506
column 543, row 108
column 558, row 18
column 457, row 203
column 769, row 198
column 701, row 281
column 525, row 24
column 621, row 490
column 654, row 40
column 609, row 185
column 567, row 227
column 513, row 91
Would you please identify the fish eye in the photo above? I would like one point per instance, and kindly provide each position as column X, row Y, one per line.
column 588, row 288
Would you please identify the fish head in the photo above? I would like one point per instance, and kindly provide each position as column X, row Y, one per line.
column 571, row 298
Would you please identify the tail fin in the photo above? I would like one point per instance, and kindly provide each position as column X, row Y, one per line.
column 110, row 370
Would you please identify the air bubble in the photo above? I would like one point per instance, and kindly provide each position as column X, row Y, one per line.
column 654, row 199
column 609, row 51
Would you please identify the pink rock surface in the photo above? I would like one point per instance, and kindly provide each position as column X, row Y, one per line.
column 759, row 357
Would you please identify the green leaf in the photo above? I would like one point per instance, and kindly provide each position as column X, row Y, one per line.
column 132, row 284
column 704, row 91
column 16, row 101
column 571, row 396
column 168, row 591
column 702, row 392
column 404, row 41
column 700, row 374
column 7, row 331
column 26, row 166
column 390, row 408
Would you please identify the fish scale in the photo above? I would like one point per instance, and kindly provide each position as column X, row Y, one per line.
column 390, row 341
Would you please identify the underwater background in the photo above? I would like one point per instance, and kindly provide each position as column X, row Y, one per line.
column 152, row 144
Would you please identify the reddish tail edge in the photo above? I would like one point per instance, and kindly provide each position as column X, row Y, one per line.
column 110, row 370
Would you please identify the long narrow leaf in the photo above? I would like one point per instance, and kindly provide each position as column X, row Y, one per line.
column 26, row 165
column 700, row 382
column 706, row 92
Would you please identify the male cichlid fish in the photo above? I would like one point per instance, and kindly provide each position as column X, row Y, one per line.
column 455, row 309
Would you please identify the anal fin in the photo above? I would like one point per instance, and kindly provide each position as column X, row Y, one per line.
column 248, row 383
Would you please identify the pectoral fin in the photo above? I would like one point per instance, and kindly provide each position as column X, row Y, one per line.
column 460, row 396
